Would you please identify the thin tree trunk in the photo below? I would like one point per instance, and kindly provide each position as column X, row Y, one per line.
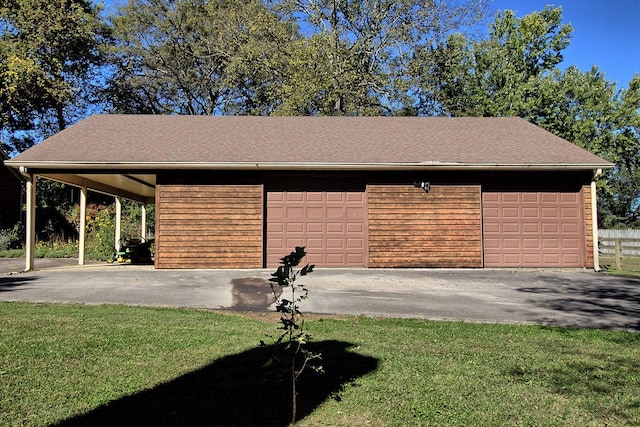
column 62, row 123
column 294, row 398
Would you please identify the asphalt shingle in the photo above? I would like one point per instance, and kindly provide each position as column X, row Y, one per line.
column 338, row 141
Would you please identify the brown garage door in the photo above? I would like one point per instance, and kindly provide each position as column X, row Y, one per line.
column 326, row 216
column 533, row 229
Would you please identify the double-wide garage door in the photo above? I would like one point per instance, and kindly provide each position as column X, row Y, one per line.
column 327, row 216
column 533, row 229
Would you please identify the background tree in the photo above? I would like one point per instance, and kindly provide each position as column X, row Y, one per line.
column 50, row 60
column 198, row 57
column 357, row 52
column 587, row 109
column 515, row 73
column 498, row 76
column 236, row 57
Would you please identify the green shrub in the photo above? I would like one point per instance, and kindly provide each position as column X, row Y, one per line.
column 11, row 238
column 11, row 253
column 57, row 249
column 6, row 238
column 100, row 233
column 100, row 238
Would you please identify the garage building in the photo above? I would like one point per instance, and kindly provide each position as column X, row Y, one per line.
column 240, row 192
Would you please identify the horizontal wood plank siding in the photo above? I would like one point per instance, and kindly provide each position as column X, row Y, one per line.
column 588, row 223
column 209, row 226
column 411, row 228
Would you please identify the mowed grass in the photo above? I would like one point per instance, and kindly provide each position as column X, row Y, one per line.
column 117, row 365
column 630, row 266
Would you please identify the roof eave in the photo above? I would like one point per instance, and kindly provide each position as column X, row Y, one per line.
column 115, row 166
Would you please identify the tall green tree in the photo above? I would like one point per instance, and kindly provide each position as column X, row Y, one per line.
column 515, row 73
column 357, row 52
column 50, row 59
column 286, row 57
column 587, row 109
column 495, row 76
column 198, row 57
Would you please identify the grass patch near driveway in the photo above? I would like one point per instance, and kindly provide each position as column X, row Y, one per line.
column 622, row 273
column 117, row 365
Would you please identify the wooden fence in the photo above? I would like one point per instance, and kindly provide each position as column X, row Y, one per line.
column 619, row 249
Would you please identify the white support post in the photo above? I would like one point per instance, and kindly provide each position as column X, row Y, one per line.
column 118, row 233
column 594, row 226
column 143, row 221
column 83, row 225
column 30, row 243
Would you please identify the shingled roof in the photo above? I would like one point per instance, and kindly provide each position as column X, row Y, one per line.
column 241, row 142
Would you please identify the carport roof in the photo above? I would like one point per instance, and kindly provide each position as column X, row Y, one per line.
column 151, row 142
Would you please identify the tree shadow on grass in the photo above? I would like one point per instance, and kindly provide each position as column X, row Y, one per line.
column 240, row 389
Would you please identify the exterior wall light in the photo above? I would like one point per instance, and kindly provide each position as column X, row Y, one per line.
column 425, row 185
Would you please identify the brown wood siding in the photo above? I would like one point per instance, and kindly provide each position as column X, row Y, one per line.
column 588, row 225
column 411, row 228
column 209, row 226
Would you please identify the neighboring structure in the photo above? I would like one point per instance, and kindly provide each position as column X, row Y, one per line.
column 240, row 192
column 10, row 194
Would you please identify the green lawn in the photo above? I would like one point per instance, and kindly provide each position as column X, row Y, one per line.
column 630, row 266
column 115, row 365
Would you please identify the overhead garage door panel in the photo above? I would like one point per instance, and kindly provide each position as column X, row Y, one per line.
column 329, row 220
column 533, row 229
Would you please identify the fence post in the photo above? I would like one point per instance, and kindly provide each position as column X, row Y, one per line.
column 618, row 246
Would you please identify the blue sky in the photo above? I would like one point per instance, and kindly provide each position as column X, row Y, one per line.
column 606, row 33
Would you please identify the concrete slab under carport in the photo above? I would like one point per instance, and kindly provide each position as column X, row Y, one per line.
column 571, row 298
column 16, row 265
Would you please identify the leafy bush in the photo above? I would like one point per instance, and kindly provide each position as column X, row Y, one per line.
column 6, row 238
column 100, row 228
column 52, row 249
column 100, row 239
column 57, row 249
column 11, row 238
column 11, row 253
column 131, row 218
column 100, row 232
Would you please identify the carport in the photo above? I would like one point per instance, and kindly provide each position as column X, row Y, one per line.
column 139, row 188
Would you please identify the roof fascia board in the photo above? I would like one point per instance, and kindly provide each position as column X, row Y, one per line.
column 130, row 167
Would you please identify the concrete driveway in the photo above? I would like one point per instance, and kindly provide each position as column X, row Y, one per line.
column 576, row 298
